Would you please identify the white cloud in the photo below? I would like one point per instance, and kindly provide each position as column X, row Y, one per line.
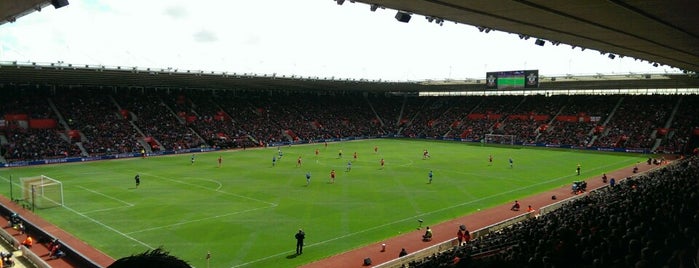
column 205, row 36
column 302, row 37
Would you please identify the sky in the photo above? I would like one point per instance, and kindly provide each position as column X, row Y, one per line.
column 308, row 38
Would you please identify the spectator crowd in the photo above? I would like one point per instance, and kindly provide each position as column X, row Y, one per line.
column 95, row 121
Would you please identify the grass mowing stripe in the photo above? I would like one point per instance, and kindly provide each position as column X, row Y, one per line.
column 215, row 190
column 108, row 227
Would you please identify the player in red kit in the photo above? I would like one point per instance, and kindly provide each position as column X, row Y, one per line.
column 354, row 156
column 376, row 149
column 220, row 159
column 382, row 163
column 332, row 176
column 298, row 161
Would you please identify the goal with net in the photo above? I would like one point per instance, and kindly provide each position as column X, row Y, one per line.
column 42, row 191
column 500, row 139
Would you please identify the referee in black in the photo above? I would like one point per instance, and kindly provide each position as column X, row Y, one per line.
column 299, row 241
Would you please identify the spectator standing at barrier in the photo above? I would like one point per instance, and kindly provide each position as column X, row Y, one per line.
column 604, row 178
column 460, row 234
column 612, row 182
column 467, row 235
column 300, row 236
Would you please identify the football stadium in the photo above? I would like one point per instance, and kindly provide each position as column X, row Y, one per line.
column 115, row 166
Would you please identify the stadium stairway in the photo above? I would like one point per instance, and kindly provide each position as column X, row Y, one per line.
column 17, row 258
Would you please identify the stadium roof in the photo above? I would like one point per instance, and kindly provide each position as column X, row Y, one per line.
column 31, row 74
column 663, row 32
column 11, row 10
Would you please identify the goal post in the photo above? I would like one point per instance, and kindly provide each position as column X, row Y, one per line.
column 42, row 191
column 500, row 139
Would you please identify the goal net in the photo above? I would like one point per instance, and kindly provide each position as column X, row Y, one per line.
column 500, row 139
column 42, row 191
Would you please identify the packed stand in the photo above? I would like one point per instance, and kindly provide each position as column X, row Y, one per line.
column 684, row 123
column 579, row 133
column 26, row 143
column 634, row 121
column 208, row 119
column 155, row 119
column 425, row 123
column 647, row 221
column 93, row 113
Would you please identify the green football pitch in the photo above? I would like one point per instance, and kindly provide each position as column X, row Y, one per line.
column 247, row 211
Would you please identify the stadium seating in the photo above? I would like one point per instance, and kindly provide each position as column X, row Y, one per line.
column 94, row 121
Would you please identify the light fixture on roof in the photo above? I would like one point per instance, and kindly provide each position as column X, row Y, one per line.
column 655, row 64
column 373, row 7
column 59, row 3
column 540, row 42
column 340, row 2
column 611, row 56
column 429, row 18
column 523, row 37
column 403, row 16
